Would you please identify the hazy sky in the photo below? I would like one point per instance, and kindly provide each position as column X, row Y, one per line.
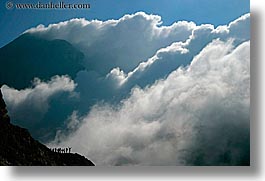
column 14, row 22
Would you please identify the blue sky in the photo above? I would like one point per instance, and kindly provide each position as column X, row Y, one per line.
column 14, row 22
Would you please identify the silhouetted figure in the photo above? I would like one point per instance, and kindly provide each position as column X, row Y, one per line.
column 61, row 150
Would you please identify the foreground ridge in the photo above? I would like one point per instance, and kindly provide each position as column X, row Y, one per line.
column 18, row 148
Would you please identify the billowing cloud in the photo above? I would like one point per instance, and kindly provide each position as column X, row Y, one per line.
column 28, row 106
column 120, row 43
column 180, row 54
column 164, row 61
column 128, row 41
column 198, row 115
column 135, row 49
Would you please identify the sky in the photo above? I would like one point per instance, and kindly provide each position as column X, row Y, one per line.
column 217, row 12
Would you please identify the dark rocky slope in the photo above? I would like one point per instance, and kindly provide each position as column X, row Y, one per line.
column 17, row 147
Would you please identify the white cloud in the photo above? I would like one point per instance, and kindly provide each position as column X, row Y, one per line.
column 178, row 54
column 129, row 42
column 135, row 50
column 197, row 115
column 120, row 43
column 32, row 103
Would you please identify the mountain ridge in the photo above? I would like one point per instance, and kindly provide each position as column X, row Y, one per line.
column 37, row 57
column 18, row 148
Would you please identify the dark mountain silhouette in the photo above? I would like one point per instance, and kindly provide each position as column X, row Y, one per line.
column 17, row 147
column 30, row 56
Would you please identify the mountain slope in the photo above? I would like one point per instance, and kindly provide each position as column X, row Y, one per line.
column 30, row 56
column 17, row 147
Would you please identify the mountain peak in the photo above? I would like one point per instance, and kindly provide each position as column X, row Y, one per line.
column 37, row 57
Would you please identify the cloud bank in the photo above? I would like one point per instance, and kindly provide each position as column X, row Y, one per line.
column 128, row 41
column 199, row 115
column 120, row 43
column 150, row 94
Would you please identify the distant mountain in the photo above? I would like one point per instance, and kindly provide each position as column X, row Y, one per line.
column 17, row 147
column 30, row 56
